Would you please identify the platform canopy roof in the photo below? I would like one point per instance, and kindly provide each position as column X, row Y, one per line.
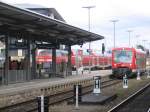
column 16, row 21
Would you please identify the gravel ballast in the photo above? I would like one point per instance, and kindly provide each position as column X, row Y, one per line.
column 133, row 86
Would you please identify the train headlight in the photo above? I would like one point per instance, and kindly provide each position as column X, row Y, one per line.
column 130, row 64
column 115, row 64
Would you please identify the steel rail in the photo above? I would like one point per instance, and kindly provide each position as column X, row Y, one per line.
column 106, row 83
column 130, row 98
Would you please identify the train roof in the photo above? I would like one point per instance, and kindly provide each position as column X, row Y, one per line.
column 140, row 50
column 129, row 48
column 94, row 52
column 120, row 48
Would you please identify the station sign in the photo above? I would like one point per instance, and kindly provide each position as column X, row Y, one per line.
column 18, row 45
column 47, row 46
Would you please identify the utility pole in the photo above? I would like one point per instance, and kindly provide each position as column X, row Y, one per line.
column 144, row 43
column 114, row 23
column 129, row 31
column 137, row 38
column 89, row 28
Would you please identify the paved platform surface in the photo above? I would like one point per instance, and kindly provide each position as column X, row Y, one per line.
column 92, row 98
column 97, row 98
column 52, row 81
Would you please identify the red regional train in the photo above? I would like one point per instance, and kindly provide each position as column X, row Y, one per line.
column 127, row 61
column 95, row 60
column 79, row 58
column 45, row 56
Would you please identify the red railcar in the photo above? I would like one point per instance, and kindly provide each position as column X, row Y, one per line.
column 128, row 61
column 79, row 58
column 45, row 56
column 95, row 60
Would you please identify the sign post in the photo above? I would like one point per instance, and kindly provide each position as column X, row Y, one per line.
column 77, row 95
column 43, row 103
column 138, row 75
column 97, row 81
column 40, row 103
column 125, row 81
column 148, row 74
column 77, row 62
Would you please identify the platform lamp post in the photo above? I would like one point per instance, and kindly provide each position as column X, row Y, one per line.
column 129, row 31
column 114, row 23
column 144, row 43
column 149, row 48
column 137, row 37
column 89, row 28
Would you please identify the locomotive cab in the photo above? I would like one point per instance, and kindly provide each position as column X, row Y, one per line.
column 127, row 61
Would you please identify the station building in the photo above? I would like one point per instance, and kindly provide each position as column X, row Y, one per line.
column 23, row 32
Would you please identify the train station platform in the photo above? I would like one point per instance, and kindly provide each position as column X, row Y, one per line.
column 20, row 92
column 53, row 81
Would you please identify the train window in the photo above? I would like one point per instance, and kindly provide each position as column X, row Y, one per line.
column 64, row 53
column 85, row 53
column 45, row 52
column 58, row 53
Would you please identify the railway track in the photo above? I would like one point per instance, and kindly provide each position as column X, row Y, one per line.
column 31, row 106
column 138, row 102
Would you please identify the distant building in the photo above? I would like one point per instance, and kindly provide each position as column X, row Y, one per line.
column 50, row 12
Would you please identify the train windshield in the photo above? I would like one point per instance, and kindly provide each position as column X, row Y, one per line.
column 123, row 56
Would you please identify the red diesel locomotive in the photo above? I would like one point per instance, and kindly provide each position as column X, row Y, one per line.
column 128, row 61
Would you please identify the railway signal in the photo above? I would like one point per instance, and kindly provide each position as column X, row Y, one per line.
column 125, row 81
column 89, row 50
column 103, row 48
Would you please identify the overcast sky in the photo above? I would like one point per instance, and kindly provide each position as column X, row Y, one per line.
column 132, row 15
